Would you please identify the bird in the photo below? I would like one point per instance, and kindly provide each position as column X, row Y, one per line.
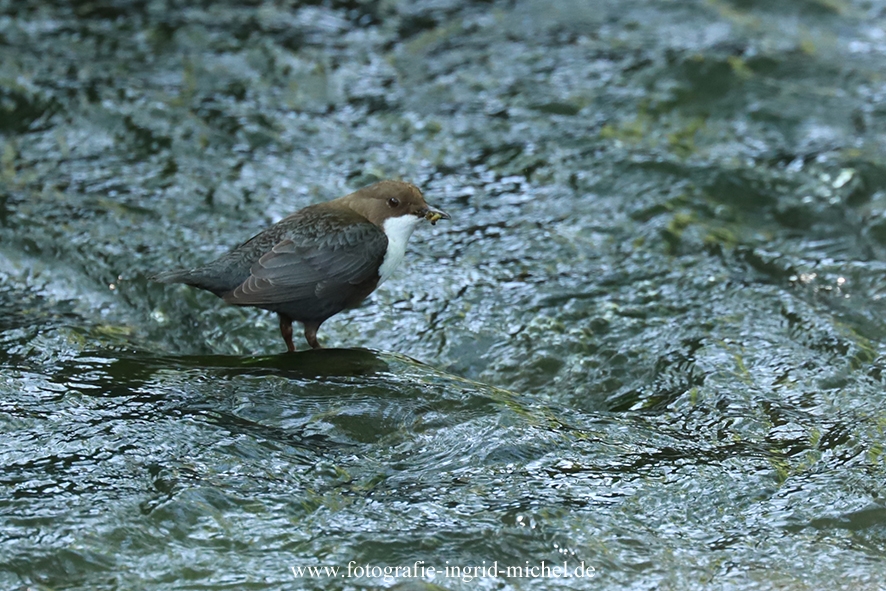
column 319, row 261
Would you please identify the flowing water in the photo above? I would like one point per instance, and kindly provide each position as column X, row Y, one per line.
column 650, row 344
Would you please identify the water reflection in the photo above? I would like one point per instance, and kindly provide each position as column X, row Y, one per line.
column 652, row 337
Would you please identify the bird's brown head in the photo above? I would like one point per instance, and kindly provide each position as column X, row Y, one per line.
column 387, row 199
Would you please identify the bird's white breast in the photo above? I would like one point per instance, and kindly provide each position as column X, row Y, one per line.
column 398, row 230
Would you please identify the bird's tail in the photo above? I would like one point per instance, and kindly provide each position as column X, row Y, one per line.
column 180, row 276
column 202, row 278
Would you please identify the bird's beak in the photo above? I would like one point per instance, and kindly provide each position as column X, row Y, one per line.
column 432, row 214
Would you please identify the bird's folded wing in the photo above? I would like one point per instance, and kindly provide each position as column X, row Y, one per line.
column 319, row 265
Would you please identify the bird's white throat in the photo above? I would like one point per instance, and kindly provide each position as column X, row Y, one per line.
column 398, row 230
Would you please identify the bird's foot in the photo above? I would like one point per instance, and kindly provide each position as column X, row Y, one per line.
column 286, row 331
column 311, row 335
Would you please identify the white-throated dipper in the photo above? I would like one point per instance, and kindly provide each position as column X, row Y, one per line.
column 320, row 260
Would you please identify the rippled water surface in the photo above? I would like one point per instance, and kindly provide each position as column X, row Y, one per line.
column 651, row 341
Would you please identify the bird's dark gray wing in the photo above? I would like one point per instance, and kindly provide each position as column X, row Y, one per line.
column 317, row 265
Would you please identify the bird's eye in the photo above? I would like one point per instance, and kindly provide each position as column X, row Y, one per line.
column 393, row 202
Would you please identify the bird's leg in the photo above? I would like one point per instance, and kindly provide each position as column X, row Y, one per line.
column 286, row 331
column 311, row 334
